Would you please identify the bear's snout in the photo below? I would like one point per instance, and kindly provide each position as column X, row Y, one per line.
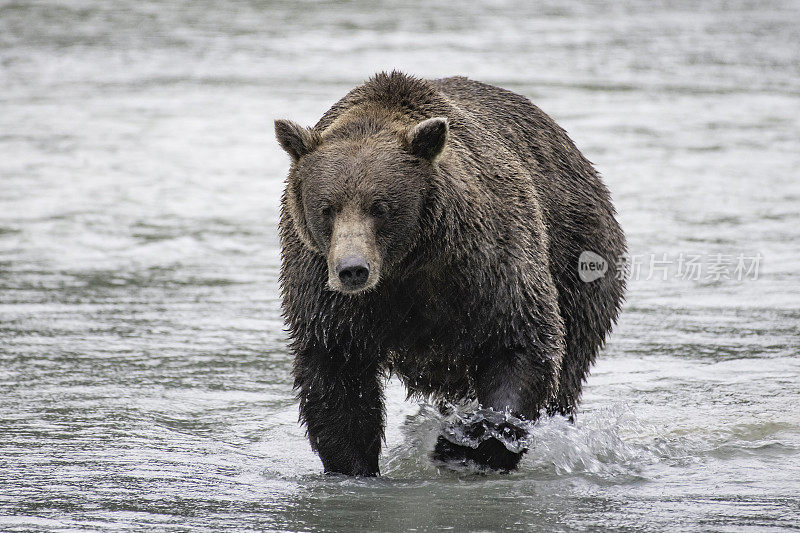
column 354, row 261
column 353, row 272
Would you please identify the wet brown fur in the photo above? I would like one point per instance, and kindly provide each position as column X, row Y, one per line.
column 478, row 295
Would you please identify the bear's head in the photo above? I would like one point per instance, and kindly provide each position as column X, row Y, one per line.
column 357, row 193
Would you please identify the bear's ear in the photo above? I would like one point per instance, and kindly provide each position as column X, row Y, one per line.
column 295, row 139
column 427, row 139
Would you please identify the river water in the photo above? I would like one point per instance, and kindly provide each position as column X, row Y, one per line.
column 144, row 377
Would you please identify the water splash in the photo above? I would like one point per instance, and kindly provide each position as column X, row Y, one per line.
column 606, row 443
column 472, row 428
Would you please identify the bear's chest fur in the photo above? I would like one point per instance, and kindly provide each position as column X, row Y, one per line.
column 430, row 349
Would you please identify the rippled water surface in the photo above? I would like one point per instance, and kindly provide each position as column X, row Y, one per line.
column 144, row 379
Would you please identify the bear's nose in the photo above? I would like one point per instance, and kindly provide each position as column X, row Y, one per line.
column 353, row 272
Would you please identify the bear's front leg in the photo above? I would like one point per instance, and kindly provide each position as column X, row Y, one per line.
column 512, row 387
column 341, row 403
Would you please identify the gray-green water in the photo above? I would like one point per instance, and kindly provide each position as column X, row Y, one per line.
column 144, row 379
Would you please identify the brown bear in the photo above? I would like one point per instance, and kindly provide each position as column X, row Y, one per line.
column 432, row 229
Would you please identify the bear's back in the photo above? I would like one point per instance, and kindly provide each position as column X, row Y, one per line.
column 575, row 203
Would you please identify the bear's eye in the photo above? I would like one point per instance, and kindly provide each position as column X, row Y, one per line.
column 379, row 209
column 326, row 211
